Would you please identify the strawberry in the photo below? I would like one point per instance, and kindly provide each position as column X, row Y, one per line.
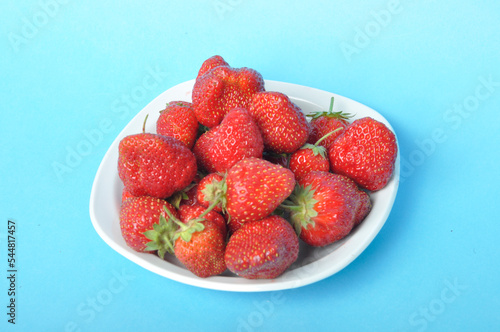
column 284, row 127
column 237, row 137
column 234, row 224
column 324, row 207
column 155, row 165
column 199, row 243
column 211, row 63
column 310, row 158
column 255, row 188
column 365, row 206
column 262, row 249
column 222, row 88
column 366, row 152
column 211, row 189
column 143, row 224
column 126, row 195
column 323, row 123
column 189, row 212
column 179, row 121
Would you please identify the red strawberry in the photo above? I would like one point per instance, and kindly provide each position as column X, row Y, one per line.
column 211, row 189
column 255, row 188
column 210, row 64
column 344, row 183
column 366, row 152
column 323, row 123
column 189, row 212
column 234, row 224
column 126, row 195
column 200, row 244
column 310, row 158
column 203, row 144
column 222, row 88
column 143, row 219
column 365, row 206
column 262, row 249
column 155, row 165
column 284, row 127
column 237, row 137
column 178, row 120
column 324, row 207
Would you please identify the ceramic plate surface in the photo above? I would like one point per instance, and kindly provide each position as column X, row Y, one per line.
column 313, row 264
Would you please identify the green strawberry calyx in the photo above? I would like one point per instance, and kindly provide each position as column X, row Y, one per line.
column 178, row 196
column 215, row 193
column 167, row 231
column 161, row 236
column 300, row 204
column 178, row 103
column 330, row 114
column 144, row 123
column 319, row 149
column 186, row 230
column 316, row 149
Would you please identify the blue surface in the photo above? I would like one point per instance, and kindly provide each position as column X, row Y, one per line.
column 72, row 74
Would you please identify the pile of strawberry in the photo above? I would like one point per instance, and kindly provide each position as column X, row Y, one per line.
column 235, row 178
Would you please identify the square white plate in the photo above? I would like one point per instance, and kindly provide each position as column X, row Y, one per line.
column 313, row 264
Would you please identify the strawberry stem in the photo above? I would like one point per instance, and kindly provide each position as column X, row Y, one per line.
column 185, row 230
column 144, row 123
column 326, row 136
column 211, row 206
column 331, row 104
column 215, row 193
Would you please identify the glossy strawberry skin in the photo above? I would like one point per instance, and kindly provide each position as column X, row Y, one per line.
column 234, row 224
column 335, row 202
column 126, row 195
column 203, row 254
column 189, row 212
column 256, row 187
column 283, row 124
column 346, row 185
column 236, row 138
column 221, row 89
column 211, row 63
column 305, row 160
column 155, row 165
column 137, row 215
column 262, row 249
column 322, row 125
column 366, row 152
column 208, row 189
column 365, row 206
column 179, row 121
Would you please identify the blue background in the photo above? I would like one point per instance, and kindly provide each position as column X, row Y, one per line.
column 430, row 67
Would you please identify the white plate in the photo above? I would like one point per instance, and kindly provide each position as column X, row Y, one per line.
column 313, row 264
